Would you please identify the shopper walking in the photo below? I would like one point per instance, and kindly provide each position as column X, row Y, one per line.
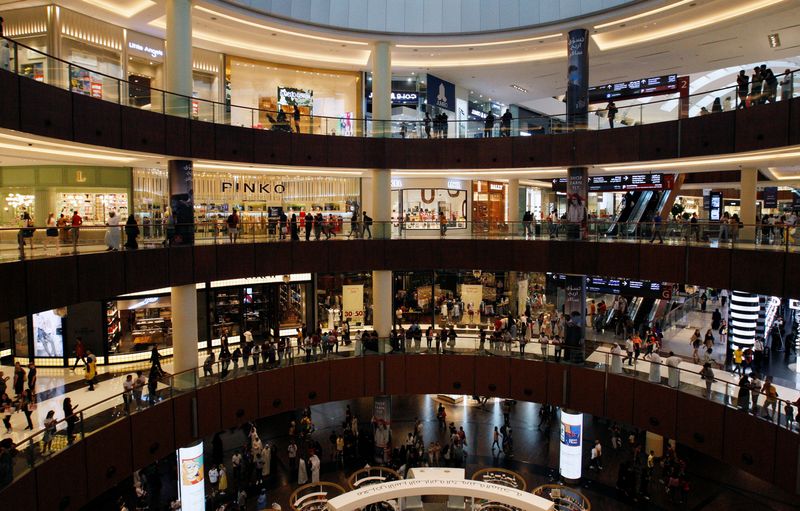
column 707, row 374
column 70, row 418
column 131, row 233
column 611, row 111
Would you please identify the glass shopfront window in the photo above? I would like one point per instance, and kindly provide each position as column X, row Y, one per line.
column 420, row 208
column 271, row 87
column 95, row 48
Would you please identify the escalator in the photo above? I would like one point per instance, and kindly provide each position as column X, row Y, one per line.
column 638, row 206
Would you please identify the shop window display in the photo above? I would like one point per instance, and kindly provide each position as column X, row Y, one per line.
column 93, row 207
column 138, row 324
column 344, row 298
column 419, row 209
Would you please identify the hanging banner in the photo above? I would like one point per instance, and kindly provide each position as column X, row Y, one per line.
column 570, row 453
column 191, row 488
column 441, row 93
column 578, row 78
column 771, row 197
column 353, row 304
column 522, row 296
column 181, row 202
column 472, row 295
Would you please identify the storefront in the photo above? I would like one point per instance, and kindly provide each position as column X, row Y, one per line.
column 332, row 97
column 258, row 197
column 408, row 105
column 418, row 203
column 101, row 53
column 489, row 210
column 92, row 191
column 126, row 328
column 466, row 298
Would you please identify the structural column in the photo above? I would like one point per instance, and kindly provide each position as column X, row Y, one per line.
column 381, row 89
column 179, row 57
column 184, row 329
column 181, row 188
column 513, row 207
column 747, row 204
column 381, row 184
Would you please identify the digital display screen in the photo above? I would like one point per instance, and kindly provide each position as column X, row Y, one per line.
column 622, row 183
column 571, row 454
column 627, row 287
column 633, row 88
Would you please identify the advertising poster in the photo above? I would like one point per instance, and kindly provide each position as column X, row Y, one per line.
column 771, row 197
column 181, row 191
column 191, row 490
column 353, row 304
column 472, row 294
column 570, row 453
column 48, row 335
column 522, row 296
column 578, row 78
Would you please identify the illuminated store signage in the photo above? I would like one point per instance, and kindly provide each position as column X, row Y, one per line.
column 155, row 53
column 634, row 88
column 244, row 187
column 495, row 187
column 570, row 451
column 401, row 97
column 292, row 96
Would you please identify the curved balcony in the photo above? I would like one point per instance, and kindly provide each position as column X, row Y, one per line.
column 92, row 273
column 191, row 406
column 182, row 127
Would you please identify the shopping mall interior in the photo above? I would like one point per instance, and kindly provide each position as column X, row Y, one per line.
column 318, row 254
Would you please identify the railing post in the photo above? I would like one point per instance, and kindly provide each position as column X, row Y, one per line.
column 16, row 58
column 69, row 77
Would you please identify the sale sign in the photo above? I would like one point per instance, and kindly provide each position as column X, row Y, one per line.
column 353, row 304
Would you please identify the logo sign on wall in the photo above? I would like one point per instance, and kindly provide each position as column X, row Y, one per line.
column 353, row 304
column 441, row 93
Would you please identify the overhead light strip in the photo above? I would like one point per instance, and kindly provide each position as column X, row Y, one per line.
column 608, row 40
column 455, row 172
column 734, row 160
column 462, row 62
column 269, row 50
column 276, row 29
column 643, row 14
column 479, row 45
column 60, row 152
column 116, row 8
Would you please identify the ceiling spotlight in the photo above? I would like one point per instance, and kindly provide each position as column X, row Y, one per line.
column 774, row 40
column 521, row 89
